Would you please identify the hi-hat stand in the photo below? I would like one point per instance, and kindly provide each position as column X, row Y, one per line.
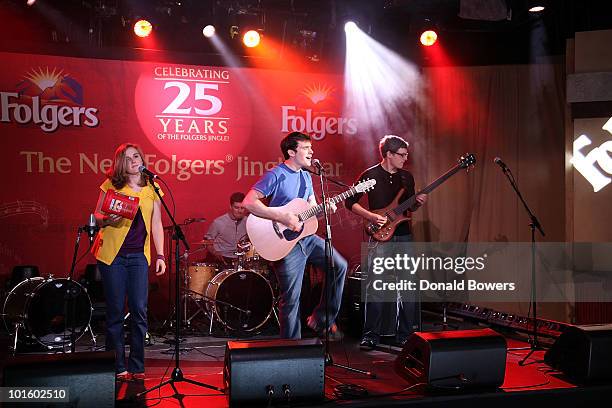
column 172, row 318
column 185, row 257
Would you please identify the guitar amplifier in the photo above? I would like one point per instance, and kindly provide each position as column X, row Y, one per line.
column 120, row 204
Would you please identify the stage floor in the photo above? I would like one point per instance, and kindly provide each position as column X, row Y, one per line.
column 205, row 364
column 532, row 383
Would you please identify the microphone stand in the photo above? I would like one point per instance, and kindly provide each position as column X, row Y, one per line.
column 177, row 373
column 534, row 344
column 67, row 295
column 329, row 269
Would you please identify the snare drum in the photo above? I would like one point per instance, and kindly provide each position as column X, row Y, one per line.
column 240, row 299
column 199, row 276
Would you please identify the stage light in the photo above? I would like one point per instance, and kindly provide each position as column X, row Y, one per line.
column 536, row 9
column 30, row 2
column 378, row 85
column 251, row 38
column 350, row 26
column 429, row 38
column 143, row 28
column 208, row 31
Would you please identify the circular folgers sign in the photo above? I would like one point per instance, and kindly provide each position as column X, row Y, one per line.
column 193, row 111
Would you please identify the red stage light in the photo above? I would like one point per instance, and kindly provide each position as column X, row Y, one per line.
column 251, row 38
column 143, row 28
column 429, row 38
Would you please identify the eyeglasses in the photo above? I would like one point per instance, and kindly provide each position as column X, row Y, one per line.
column 404, row 155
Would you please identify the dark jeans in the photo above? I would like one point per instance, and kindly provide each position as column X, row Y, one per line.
column 290, row 272
column 408, row 313
column 126, row 276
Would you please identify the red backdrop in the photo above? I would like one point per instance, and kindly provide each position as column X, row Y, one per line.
column 207, row 131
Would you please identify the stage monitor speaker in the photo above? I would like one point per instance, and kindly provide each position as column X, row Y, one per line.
column 454, row 360
column 583, row 353
column 89, row 376
column 272, row 371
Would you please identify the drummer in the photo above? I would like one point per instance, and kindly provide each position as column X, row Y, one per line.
column 226, row 231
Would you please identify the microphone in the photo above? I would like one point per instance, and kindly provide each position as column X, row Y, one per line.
column 500, row 163
column 314, row 168
column 147, row 172
column 92, row 228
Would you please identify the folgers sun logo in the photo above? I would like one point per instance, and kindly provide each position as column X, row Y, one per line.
column 49, row 99
column 320, row 118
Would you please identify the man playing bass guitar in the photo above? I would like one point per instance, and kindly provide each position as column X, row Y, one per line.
column 390, row 178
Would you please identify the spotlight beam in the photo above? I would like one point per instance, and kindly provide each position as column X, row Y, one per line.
column 379, row 85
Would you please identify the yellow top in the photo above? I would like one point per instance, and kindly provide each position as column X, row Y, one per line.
column 110, row 239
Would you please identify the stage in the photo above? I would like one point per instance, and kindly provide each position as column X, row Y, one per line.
column 487, row 132
column 532, row 383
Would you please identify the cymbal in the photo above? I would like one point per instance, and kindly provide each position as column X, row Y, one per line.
column 171, row 227
column 190, row 220
column 186, row 223
column 203, row 242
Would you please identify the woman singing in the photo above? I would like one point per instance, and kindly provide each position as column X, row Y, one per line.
column 123, row 251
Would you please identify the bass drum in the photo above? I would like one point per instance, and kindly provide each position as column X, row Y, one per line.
column 45, row 311
column 241, row 300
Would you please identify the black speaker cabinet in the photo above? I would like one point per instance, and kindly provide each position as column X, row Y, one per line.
column 89, row 377
column 583, row 353
column 454, row 360
column 274, row 371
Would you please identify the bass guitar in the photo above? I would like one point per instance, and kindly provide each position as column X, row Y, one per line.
column 395, row 211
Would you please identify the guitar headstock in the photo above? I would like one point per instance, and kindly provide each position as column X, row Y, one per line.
column 467, row 160
column 365, row 185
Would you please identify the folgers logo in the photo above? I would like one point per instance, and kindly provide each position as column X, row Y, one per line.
column 320, row 120
column 193, row 111
column 49, row 100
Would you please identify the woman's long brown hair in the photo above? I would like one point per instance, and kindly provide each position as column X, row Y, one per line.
column 116, row 173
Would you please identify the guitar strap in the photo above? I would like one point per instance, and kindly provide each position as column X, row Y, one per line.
column 302, row 188
column 404, row 186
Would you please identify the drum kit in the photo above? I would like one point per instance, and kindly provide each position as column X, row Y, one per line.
column 50, row 312
column 240, row 298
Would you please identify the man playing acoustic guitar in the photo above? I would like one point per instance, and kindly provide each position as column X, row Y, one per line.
column 280, row 186
column 390, row 178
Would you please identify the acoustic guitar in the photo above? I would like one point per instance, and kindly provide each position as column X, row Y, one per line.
column 273, row 240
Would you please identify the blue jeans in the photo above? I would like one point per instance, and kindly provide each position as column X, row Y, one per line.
column 290, row 272
column 407, row 308
column 126, row 276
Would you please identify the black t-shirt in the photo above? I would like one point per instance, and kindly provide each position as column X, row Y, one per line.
column 386, row 189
